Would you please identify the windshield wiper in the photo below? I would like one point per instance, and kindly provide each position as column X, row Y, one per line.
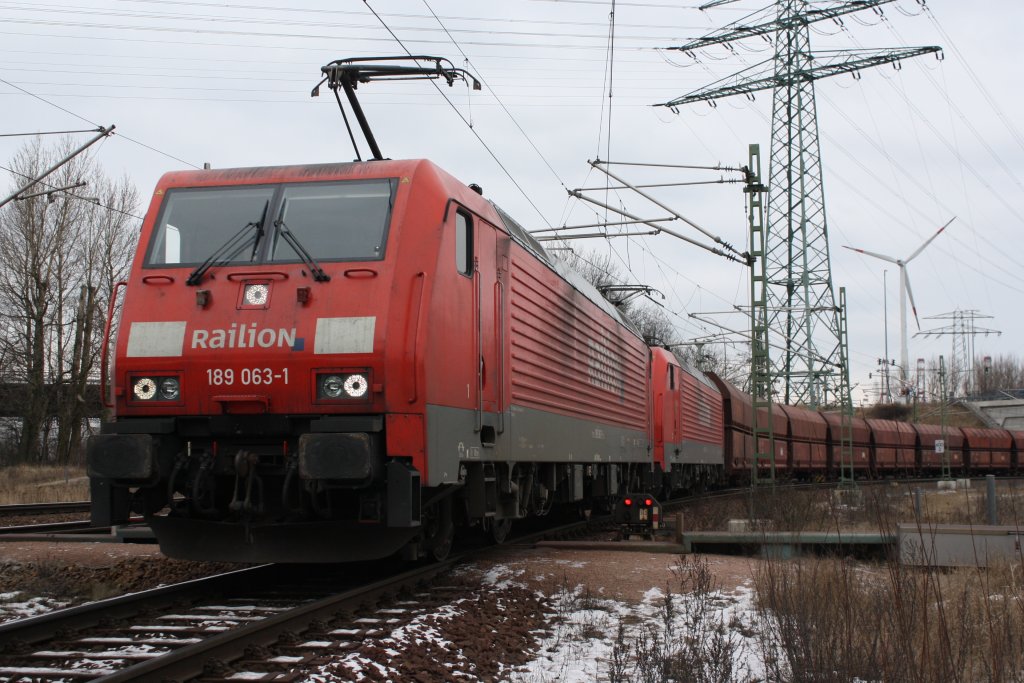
column 228, row 251
column 318, row 273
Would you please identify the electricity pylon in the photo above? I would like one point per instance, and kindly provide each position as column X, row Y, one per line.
column 963, row 331
column 803, row 315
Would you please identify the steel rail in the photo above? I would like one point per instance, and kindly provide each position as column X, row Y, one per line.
column 44, row 508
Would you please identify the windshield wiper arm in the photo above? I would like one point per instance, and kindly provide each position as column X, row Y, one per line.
column 226, row 252
column 318, row 273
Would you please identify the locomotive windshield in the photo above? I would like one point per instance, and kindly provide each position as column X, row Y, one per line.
column 195, row 223
column 339, row 221
column 344, row 221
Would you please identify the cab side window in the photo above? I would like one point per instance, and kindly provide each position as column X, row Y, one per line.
column 463, row 243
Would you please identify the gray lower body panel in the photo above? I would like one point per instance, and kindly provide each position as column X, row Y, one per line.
column 529, row 436
column 694, row 453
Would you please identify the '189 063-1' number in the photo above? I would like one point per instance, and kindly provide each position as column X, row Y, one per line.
column 247, row 376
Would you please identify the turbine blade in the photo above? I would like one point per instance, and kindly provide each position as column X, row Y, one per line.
column 910, row 295
column 929, row 240
column 890, row 259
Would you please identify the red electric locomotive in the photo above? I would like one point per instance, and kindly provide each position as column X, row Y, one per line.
column 341, row 361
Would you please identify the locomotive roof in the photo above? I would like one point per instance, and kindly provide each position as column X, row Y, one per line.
column 301, row 172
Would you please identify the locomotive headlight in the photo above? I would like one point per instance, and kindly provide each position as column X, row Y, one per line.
column 356, row 386
column 155, row 388
column 170, row 389
column 144, row 388
column 332, row 386
column 256, row 294
column 343, row 386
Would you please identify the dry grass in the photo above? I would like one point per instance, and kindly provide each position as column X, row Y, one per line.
column 42, row 484
column 835, row 620
column 828, row 619
column 688, row 640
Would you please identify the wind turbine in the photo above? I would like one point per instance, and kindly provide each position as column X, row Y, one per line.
column 905, row 293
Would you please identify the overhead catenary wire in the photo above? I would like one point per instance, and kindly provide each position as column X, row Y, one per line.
column 475, row 133
column 291, row 10
column 494, row 94
column 82, row 118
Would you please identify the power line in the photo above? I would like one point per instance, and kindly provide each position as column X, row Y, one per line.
column 475, row 133
column 82, row 118
column 292, row 9
column 498, row 99
column 277, row 21
column 292, row 36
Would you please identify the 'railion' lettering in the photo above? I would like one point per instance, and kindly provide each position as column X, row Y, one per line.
column 244, row 336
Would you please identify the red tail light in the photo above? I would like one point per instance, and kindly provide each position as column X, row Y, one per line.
column 648, row 502
column 627, row 502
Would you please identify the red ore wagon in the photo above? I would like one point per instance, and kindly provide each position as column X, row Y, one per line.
column 987, row 449
column 738, row 415
column 861, row 434
column 808, row 434
column 929, row 459
column 894, row 446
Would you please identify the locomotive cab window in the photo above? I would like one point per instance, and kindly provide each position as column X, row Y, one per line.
column 196, row 223
column 346, row 221
column 463, row 243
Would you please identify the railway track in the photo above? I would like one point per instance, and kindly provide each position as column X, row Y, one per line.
column 64, row 522
column 260, row 623
column 26, row 509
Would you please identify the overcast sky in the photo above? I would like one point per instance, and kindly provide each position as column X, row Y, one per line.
column 904, row 151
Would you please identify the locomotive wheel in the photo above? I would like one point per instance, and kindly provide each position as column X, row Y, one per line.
column 438, row 529
column 500, row 529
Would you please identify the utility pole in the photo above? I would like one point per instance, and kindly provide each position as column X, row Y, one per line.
column 802, row 308
column 946, row 470
column 763, row 462
column 885, row 323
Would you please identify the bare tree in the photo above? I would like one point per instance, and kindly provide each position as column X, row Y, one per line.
column 61, row 255
column 1002, row 373
column 734, row 368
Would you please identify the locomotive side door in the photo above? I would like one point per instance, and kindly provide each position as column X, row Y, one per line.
column 489, row 306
